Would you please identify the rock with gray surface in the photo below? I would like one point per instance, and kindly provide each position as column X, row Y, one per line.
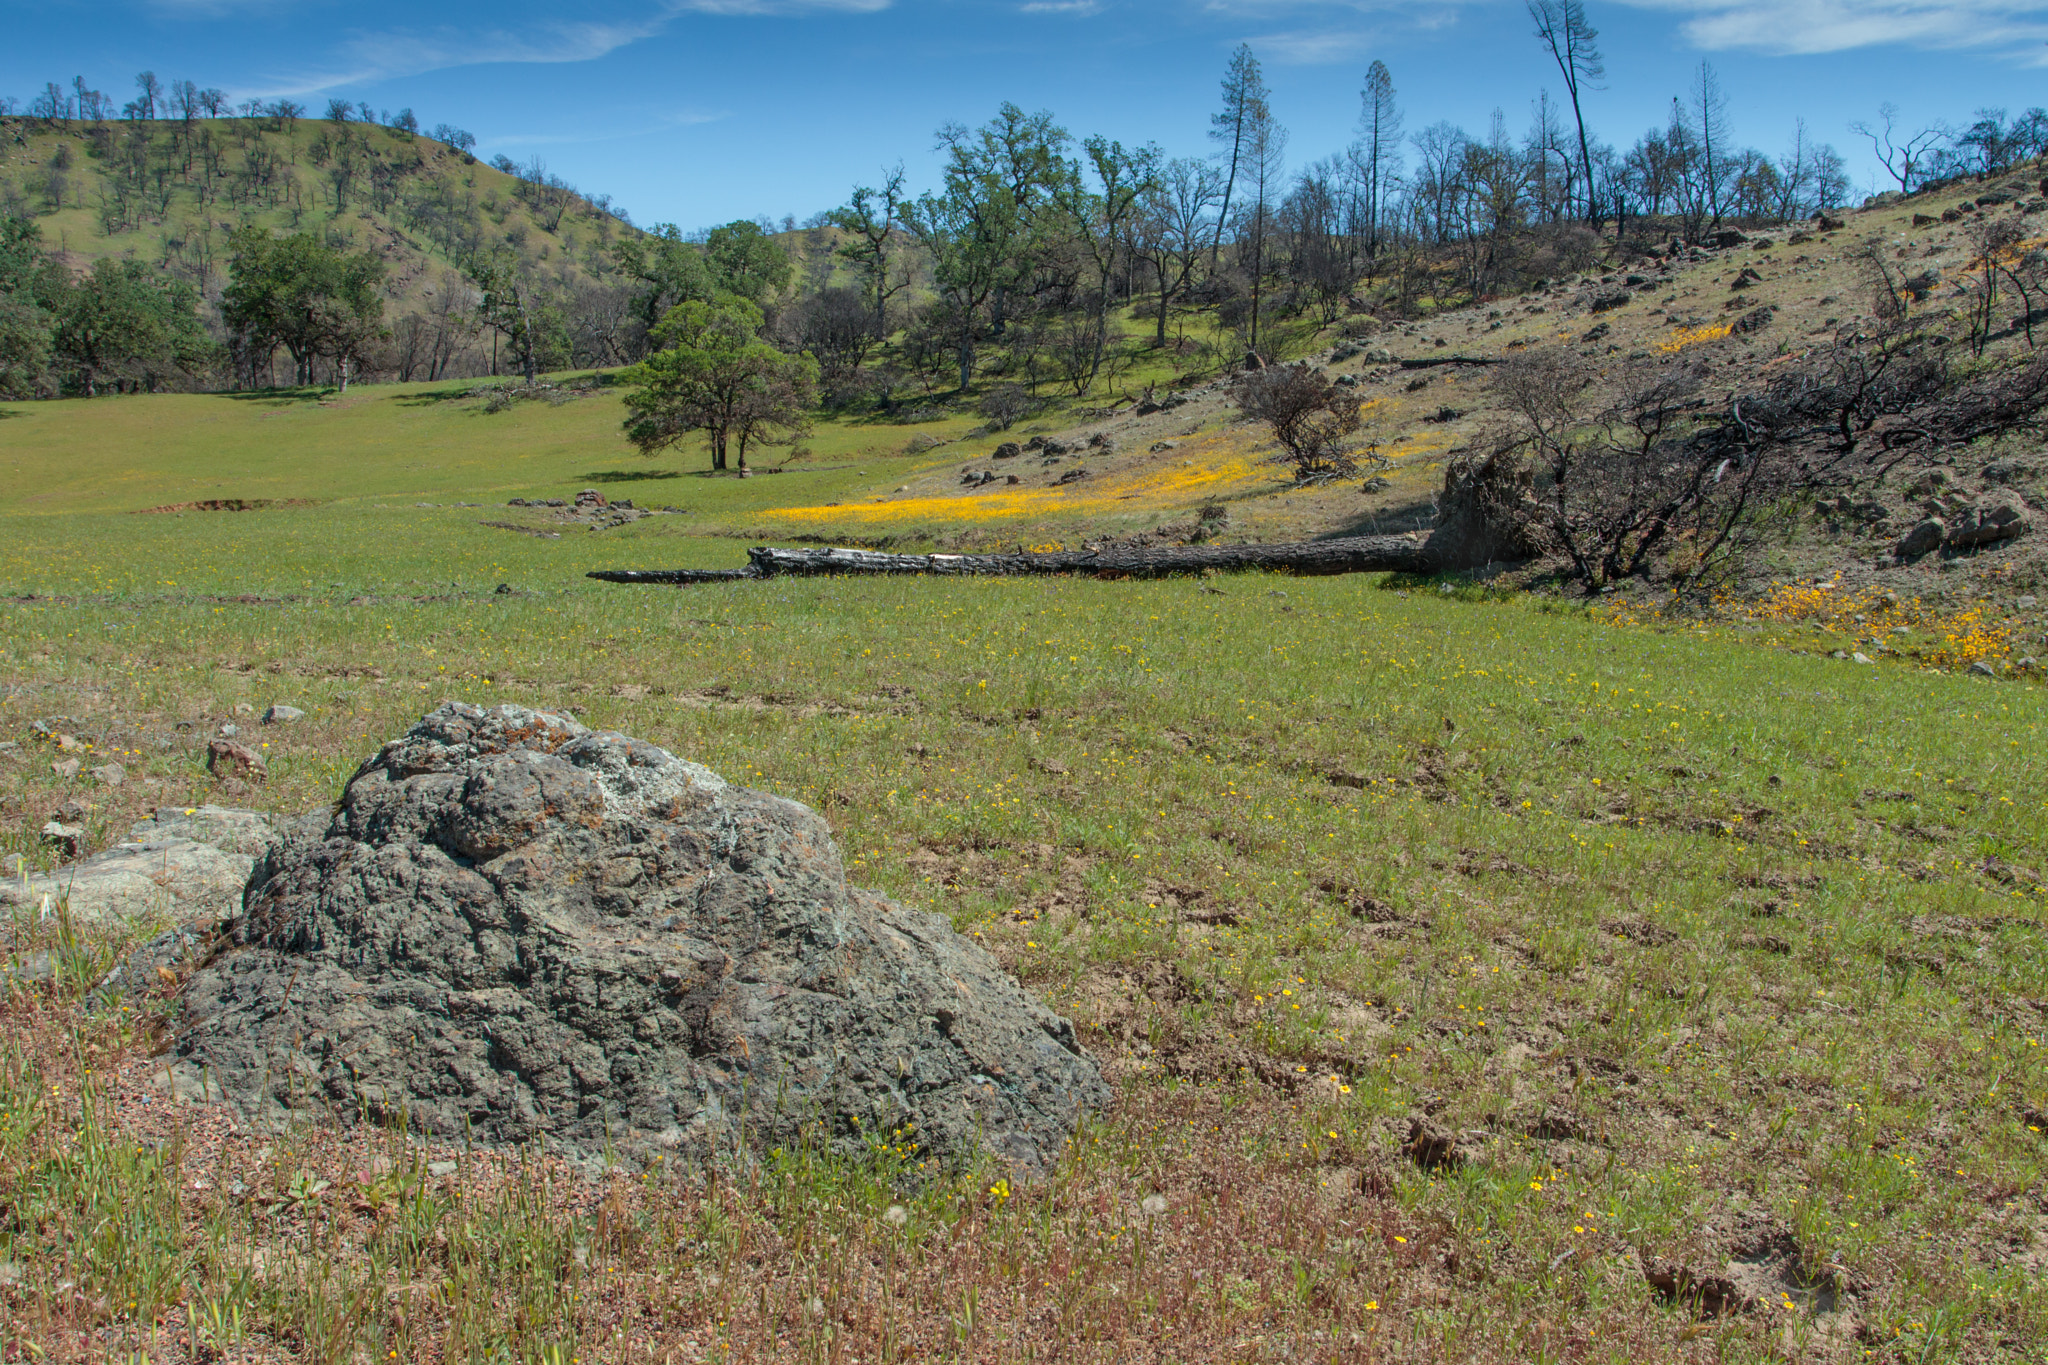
column 182, row 865
column 518, row 929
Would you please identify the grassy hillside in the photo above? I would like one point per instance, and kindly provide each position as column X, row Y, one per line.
column 168, row 193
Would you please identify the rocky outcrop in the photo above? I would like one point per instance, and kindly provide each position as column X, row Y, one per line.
column 185, row 865
column 517, row 929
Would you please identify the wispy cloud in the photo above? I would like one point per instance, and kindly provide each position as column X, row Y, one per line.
column 1076, row 8
column 1342, row 41
column 374, row 56
column 1795, row 27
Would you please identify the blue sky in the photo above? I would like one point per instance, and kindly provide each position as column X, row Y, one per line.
column 700, row 111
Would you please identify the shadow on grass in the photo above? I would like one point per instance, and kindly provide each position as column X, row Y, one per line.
column 629, row 475
column 428, row 397
column 1400, row 519
column 283, row 398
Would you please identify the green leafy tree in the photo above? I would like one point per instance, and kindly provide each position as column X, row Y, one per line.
column 713, row 374
column 522, row 311
column 299, row 293
column 993, row 223
column 1101, row 223
column 870, row 219
column 125, row 326
column 746, row 261
column 668, row 269
column 28, row 283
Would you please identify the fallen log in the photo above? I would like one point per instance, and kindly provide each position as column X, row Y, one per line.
column 1430, row 362
column 1350, row 554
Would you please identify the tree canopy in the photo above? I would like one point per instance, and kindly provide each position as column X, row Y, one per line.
column 713, row 374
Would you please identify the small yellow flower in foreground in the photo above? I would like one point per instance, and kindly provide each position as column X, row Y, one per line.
column 1400, row 1239
column 1372, row 1305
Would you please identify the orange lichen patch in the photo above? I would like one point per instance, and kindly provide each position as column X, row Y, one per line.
column 1201, row 467
column 1693, row 336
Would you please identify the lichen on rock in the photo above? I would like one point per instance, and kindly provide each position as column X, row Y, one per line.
column 518, row 929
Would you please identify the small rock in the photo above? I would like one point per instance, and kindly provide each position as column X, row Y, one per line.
column 69, row 744
column 1983, row 669
column 281, row 714
column 110, row 774
column 65, row 768
column 2027, row 602
column 64, row 838
column 226, row 758
column 229, row 730
column 1008, row 450
column 503, row 590
column 439, row 1169
column 1925, row 535
column 243, row 708
column 1862, row 658
column 1986, row 526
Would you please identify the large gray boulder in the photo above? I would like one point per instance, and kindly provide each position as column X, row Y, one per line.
column 183, row 865
column 517, row 929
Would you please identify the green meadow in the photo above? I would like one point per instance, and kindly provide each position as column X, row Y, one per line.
column 1482, row 978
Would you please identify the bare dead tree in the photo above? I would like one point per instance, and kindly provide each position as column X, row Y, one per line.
column 1313, row 419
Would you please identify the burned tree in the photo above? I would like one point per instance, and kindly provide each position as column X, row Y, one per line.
column 1312, row 418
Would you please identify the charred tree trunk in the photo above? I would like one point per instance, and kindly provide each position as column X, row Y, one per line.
column 1353, row 554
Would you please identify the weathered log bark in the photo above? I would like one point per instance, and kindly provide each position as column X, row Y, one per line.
column 1430, row 362
column 1352, row 554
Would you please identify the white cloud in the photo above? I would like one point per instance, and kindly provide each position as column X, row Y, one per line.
column 1077, row 8
column 370, row 57
column 1320, row 46
column 1793, row 27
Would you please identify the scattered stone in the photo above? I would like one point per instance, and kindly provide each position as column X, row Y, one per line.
column 2026, row 602
column 1008, row 450
column 65, row 839
column 1925, row 536
column 226, row 758
column 517, row 928
column 1726, row 238
column 243, row 708
column 229, row 730
column 1611, row 300
column 1986, row 526
column 65, row 769
column 1860, row 657
column 110, row 774
column 1983, row 669
column 441, row 1170
column 281, row 714
column 1754, row 320
column 68, row 744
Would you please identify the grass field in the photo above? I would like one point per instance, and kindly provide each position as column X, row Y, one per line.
column 1710, row 975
